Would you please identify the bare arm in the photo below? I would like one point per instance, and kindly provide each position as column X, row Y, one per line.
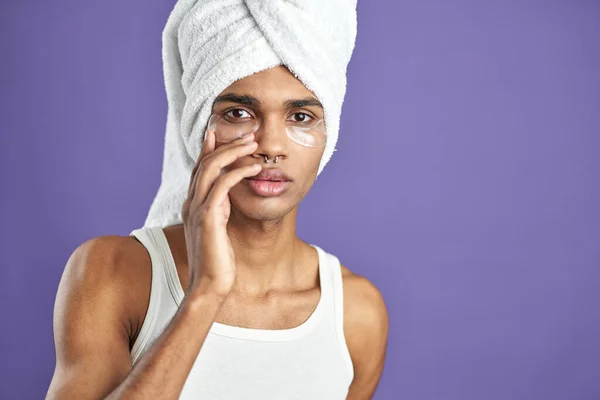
column 162, row 372
column 366, row 331
column 92, row 335
column 91, row 316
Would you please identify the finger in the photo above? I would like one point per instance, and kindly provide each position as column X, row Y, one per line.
column 226, row 146
column 213, row 168
column 208, row 151
column 209, row 142
column 208, row 148
column 228, row 153
column 224, row 183
column 203, row 153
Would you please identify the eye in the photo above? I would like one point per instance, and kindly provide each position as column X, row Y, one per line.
column 302, row 117
column 237, row 113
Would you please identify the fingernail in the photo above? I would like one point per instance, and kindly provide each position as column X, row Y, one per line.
column 206, row 135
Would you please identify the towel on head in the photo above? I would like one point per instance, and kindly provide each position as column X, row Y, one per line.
column 209, row 44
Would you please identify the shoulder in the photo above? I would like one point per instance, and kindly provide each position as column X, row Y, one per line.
column 106, row 260
column 365, row 311
column 92, row 321
column 366, row 332
column 110, row 270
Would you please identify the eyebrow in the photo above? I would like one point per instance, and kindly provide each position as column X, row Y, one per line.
column 306, row 102
column 252, row 101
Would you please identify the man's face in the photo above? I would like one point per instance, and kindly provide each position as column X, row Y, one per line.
column 265, row 95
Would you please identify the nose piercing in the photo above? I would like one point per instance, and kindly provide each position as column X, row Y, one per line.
column 275, row 161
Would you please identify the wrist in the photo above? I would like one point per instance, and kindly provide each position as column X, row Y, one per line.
column 207, row 288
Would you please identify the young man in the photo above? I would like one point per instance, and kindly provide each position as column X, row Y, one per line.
column 229, row 303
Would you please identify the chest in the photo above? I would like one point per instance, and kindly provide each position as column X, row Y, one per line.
column 282, row 308
column 305, row 368
column 278, row 310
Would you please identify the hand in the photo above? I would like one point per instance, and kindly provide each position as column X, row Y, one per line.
column 206, row 212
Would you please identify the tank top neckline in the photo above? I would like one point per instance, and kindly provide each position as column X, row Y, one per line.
column 239, row 332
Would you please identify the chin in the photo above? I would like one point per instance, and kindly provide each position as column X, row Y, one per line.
column 261, row 208
column 261, row 215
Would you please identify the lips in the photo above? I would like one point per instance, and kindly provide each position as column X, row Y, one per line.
column 268, row 183
column 267, row 188
column 271, row 175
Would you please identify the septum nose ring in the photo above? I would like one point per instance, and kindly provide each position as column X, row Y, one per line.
column 267, row 159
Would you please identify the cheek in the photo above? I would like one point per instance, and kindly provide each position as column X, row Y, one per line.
column 310, row 158
column 314, row 164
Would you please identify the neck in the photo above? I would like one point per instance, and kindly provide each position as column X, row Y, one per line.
column 267, row 253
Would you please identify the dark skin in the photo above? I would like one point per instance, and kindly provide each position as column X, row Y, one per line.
column 103, row 296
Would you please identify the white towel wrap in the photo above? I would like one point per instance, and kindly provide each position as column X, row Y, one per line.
column 209, row 44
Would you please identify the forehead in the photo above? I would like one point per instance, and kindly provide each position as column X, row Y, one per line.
column 272, row 85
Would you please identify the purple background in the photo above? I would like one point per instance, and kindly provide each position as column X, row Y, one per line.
column 466, row 185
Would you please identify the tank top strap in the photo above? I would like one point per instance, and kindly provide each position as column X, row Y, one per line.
column 325, row 275
column 335, row 286
column 147, row 236
column 328, row 266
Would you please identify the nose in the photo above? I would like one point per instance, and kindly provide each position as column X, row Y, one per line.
column 272, row 139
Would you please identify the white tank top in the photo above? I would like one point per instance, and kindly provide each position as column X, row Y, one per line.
column 308, row 362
